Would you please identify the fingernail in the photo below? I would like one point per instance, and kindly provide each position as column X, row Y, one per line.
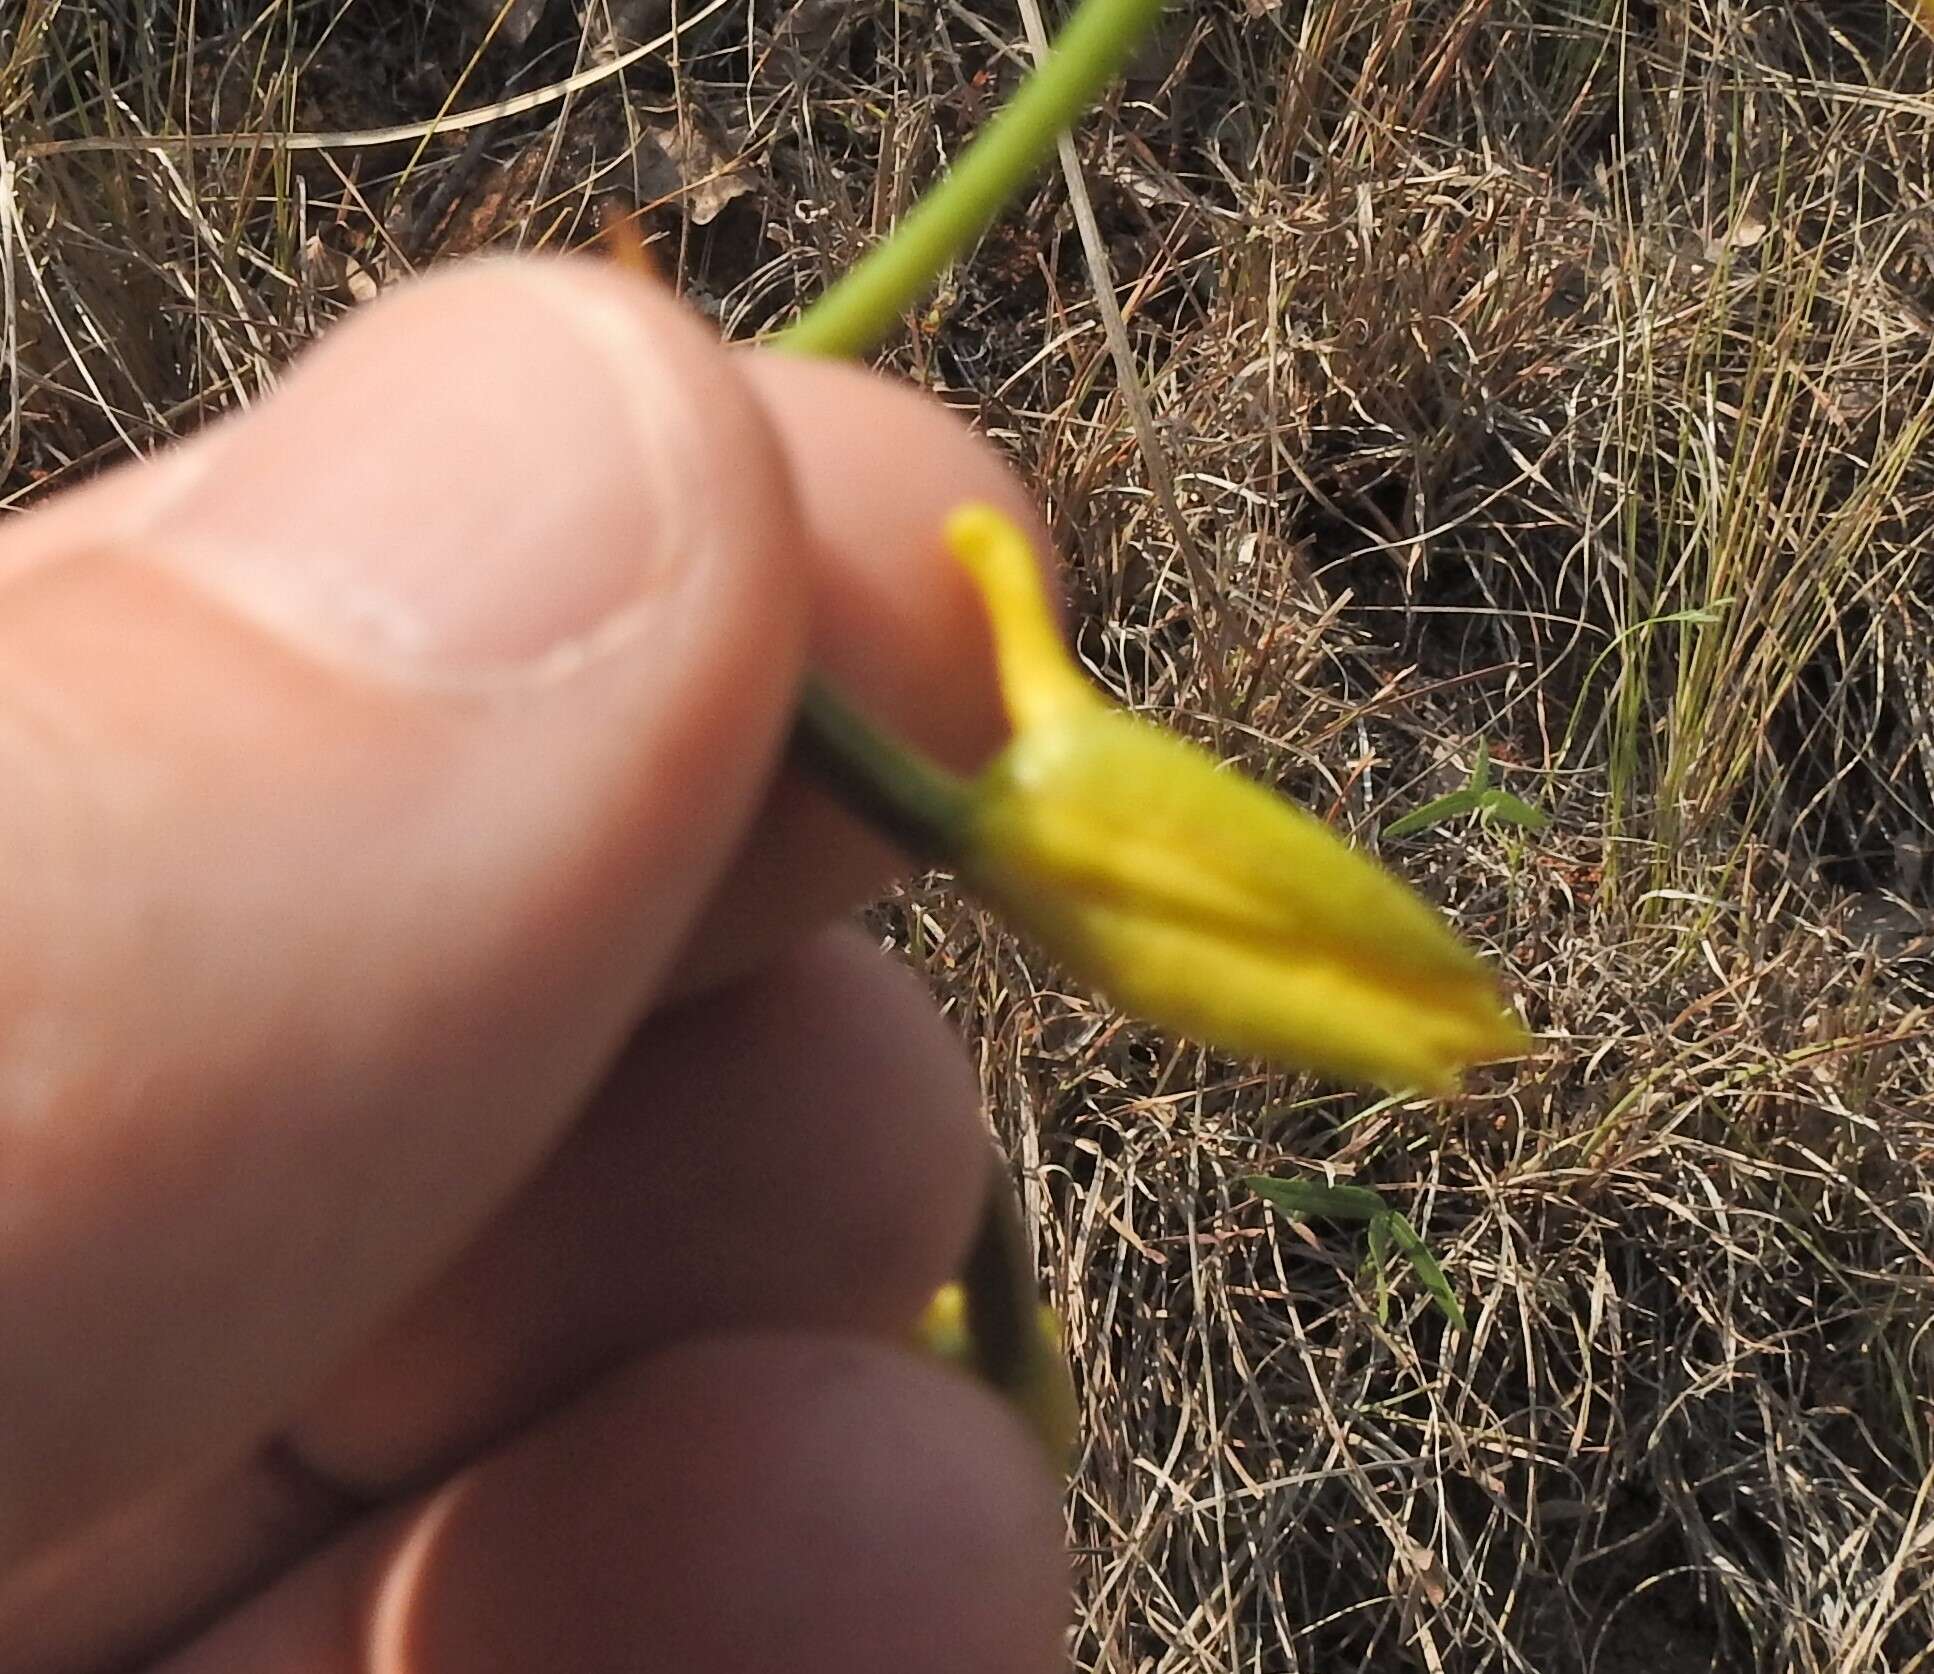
column 486, row 475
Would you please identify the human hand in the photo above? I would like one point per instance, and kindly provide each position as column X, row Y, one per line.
column 456, row 1199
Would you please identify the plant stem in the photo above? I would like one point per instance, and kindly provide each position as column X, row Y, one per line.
column 863, row 307
column 907, row 796
column 998, row 1281
column 897, row 790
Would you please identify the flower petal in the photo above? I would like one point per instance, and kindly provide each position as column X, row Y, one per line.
column 1194, row 897
column 1039, row 680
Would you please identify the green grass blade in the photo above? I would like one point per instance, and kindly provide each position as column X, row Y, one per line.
column 1429, row 1273
column 1464, row 801
column 1513, row 810
column 1312, row 1200
column 1379, row 1262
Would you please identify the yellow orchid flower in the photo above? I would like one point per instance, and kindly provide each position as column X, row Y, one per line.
column 1191, row 896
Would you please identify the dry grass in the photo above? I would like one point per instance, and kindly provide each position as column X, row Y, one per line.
column 1556, row 373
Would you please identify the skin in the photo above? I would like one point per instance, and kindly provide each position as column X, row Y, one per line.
column 460, row 1197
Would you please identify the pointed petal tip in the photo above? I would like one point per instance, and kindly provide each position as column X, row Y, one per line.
column 973, row 527
column 1038, row 677
column 1425, row 1068
column 1493, row 1035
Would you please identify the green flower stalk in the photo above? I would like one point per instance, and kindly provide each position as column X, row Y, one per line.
column 1190, row 896
column 988, row 1322
column 1036, row 1381
column 858, row 312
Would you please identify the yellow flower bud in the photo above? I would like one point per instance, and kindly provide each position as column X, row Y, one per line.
column 1191, row 896
column 1038, row 1386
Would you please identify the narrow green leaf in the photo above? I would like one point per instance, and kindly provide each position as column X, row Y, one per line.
column 1379, row 1262
column 1481, row 768
column 1428, row 1272
column 1465, row 801
column 1512, row 810
column 1693, row 616
column 1384, row 1227
column 1307, row 1200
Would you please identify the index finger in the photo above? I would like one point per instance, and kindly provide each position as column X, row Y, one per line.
column 876, row 465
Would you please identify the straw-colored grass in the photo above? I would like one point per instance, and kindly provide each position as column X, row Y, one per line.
column 1551, row 373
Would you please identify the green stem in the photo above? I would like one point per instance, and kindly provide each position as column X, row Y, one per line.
column 998, row 1281
column 863, row 307
column 898, row 791
column 903, row 793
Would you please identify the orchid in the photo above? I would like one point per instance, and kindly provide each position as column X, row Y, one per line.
column 1192, row 897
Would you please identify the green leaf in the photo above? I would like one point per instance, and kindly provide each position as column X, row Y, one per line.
column 1305, row 1200
column 1312, row 1200
column 1428, row 1272
column 1379, row 1263
column 1478, row 797
column 1434, row 813
column 1512, row 810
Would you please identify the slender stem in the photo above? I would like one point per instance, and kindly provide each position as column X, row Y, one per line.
column 907, row 796
column 864, row 306
column 900, row 792
column 998, row 1280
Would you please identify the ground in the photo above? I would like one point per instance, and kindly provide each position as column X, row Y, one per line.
column 1553, row 377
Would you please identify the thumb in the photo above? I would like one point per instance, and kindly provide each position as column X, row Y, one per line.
column 359, row 787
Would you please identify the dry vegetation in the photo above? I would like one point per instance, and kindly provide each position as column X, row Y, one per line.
column 1553, row 373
